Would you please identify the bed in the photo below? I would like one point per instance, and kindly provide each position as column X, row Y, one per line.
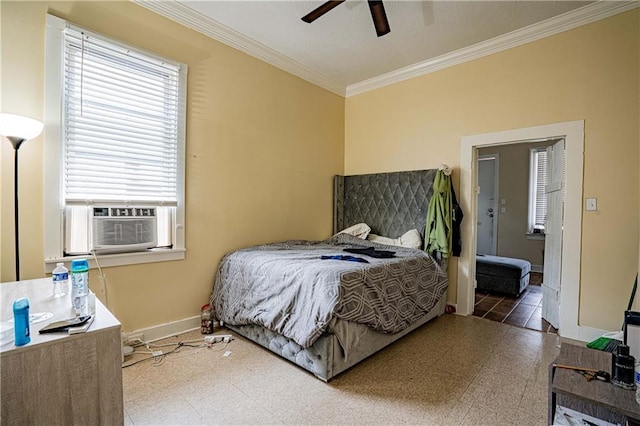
column 327, row 305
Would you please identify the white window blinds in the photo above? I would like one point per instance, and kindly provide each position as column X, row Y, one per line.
column 120, row 128
column 539, row 181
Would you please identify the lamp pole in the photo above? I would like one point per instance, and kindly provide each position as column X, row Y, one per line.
column 16, row 142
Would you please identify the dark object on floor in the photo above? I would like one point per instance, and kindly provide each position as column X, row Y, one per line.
column 345, row 257
column 370, row 251
column 502, row 274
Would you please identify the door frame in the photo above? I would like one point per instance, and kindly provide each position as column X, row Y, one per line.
column 573, row 132
column 496, row 191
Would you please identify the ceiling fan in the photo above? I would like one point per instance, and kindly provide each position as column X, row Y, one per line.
column 378, row 14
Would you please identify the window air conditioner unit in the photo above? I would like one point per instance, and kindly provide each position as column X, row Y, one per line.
column 123, row 229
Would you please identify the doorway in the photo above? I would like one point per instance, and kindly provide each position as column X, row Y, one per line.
column 527, row 200
column 573, row 133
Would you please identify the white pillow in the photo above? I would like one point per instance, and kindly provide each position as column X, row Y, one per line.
column 360, row 230
column 409, row 239
column 384, row 240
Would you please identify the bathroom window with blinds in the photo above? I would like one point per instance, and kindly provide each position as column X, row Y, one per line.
column 537, row 196
column 121, row 134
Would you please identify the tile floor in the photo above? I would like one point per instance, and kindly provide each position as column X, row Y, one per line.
column 453, row 371
column 524, row 311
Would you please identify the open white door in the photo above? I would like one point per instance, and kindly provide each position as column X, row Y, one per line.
column 554, row 190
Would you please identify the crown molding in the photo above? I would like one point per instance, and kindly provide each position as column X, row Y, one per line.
column 593, row 12
column 181, row 14
column 567, row 21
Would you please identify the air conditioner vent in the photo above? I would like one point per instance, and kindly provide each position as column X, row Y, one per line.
column 123, row 229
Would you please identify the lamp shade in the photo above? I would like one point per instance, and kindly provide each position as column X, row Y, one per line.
column 20, row 127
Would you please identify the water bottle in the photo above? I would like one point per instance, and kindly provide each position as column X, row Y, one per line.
column 80, row 286
column 637, row 380
column 60, row 279
column 21, row 321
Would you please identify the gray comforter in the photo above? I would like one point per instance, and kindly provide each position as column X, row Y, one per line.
column 287, row 287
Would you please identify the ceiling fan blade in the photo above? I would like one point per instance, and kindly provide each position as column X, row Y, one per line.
column 379, row 17
column 320, row 10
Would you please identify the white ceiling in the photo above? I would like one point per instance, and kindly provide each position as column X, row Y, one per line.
column 341, row 52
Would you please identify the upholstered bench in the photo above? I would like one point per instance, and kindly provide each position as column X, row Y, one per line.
column 496, row 274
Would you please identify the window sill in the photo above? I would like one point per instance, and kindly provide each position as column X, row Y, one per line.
column 121, row 259
column 536, row 236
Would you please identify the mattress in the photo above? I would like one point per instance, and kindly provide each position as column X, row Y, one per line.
column 303, row 301
column 297, row 288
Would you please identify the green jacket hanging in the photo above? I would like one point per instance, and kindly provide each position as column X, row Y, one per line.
column 437, row 237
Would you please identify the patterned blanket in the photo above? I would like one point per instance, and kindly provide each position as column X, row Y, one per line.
column 288, row 288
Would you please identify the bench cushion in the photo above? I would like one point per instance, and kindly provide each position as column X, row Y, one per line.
column 502, row 274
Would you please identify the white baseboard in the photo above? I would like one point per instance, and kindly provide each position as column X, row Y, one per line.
column 537, row 268
column 161, row 331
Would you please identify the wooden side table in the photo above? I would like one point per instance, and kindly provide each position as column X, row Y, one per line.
column 599, row 399
column 60, row 378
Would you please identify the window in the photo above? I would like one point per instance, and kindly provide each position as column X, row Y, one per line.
column 115, row 143
column 537, row 196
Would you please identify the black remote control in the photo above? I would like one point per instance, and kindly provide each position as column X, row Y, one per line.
column 64, row 325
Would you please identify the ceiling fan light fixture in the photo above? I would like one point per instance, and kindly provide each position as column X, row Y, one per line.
column 379, row 17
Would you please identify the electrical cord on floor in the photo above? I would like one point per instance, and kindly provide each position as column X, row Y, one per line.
column 222, row 348
column 158, row 359
column 149, row 346
column 154, row 345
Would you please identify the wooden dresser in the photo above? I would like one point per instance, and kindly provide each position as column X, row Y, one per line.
column 60, row 379
column 602, row 400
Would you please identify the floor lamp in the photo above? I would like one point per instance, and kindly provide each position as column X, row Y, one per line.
column 18, row 129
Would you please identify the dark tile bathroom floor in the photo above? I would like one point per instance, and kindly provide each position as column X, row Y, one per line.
column 524, row 311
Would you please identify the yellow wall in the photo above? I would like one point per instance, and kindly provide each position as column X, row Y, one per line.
column 262, row 149
column 589, row 73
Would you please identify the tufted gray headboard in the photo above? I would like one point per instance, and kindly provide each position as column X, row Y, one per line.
column 390, row 203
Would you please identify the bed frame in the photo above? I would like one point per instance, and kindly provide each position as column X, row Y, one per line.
column 391, row 204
